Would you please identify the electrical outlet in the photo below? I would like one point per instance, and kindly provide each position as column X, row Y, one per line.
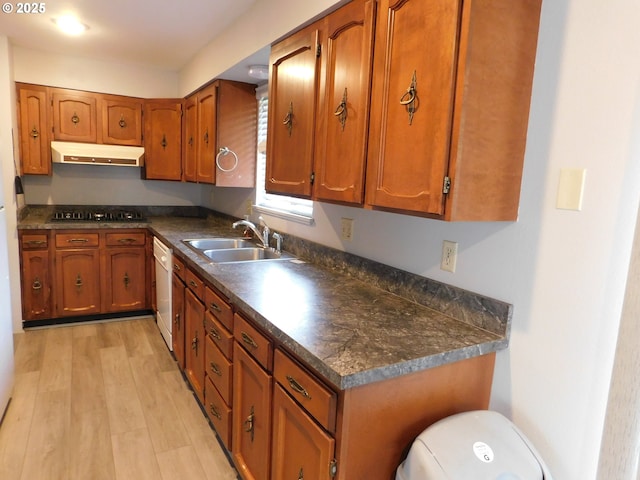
column 449, row 256
column 347, row 228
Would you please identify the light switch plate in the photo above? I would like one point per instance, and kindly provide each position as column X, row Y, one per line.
column 571, row 188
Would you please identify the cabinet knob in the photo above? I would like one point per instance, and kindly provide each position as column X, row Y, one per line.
column 122, row 122
column 75, row 119
column 34, row 133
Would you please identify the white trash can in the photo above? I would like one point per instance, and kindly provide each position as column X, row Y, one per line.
column 477, row 445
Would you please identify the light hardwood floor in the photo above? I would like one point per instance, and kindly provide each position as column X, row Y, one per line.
column 104, row 401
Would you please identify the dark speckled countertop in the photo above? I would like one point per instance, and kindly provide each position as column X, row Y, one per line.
column 352, row 320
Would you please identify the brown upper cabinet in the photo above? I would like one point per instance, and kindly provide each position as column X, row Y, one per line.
column 163, row 139
column 121, row 120
column 445, row 129
column 34, row 127
column 220, row 128
column 74, row 115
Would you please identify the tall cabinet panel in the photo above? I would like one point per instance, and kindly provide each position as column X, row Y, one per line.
column 189, row 143
column 206, row 134
column 163, row 139
column 412, row 103
column 35, row 125
column 293, row 85
column 344, row 103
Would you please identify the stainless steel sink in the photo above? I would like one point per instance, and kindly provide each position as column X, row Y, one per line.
column 218, row 243
column 245, row 255
column 233, row 250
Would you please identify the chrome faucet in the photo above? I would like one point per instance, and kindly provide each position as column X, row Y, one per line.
column 278, row 237
column 262, row 237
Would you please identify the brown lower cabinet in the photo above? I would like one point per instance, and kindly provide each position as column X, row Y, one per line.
column 279, row 419
column 68, row 273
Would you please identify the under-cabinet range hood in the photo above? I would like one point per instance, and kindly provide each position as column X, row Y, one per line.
column 96, row 154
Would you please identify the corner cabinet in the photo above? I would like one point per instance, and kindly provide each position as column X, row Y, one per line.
column 163, row 139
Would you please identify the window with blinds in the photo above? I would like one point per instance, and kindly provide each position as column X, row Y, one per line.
column 296, row 209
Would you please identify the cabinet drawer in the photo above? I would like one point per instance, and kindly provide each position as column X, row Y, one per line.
column 218, row 413
column 178, row 268
column 254, row 342
column 195, row 284
column 30, row 241
column 307, row 390
column 65, row 240
column 219, row 335
column 219, row 308
column 219, row 371
column 125, row 239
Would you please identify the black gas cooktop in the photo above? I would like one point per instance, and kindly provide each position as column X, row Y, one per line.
column 97, row 215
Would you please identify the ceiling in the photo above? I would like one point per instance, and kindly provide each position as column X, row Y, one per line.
column 164, row 34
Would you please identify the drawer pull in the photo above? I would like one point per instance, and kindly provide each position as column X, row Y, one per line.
column 214, row 333
column 78, row 240
column 295, row 386
column 176, row 267
column 37, row 285
column 193, row 284
column 36, row 243
column 126, row 240
column 246, row 338
column 215, row 369
column 214, row 411
column 214, row 306
column 248, row 424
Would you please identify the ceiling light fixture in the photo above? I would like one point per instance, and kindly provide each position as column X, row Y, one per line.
column 70, row 25
column 261, row 72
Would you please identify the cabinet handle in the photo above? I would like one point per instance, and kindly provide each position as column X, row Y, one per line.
column 216, row 369
column 301, row 474
column 126, row 240
column 36, row 242
column 163, row 143
column 122, row 123
column 341, row 111
column 75, row 119
column 126, row 280
column 410, row 97
column 36, row 284
column 78, row 240
column 206, row 137
column 214, row 306
column 295, row 386
column 288, row 119
column 193, row 284
column 194, row 343
column 176, row 268
column 215, row 333
column 79, row 281
column 176, row 322
column 214, row 411
column 246, row 338
column 34, row 133
column 191, row 141
column 248, row 424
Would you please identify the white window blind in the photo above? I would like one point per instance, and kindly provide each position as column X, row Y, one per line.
column 291, row 208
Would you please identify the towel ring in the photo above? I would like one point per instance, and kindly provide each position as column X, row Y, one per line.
column 225, row 151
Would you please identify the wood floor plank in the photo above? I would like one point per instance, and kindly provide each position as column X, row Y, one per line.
column 85, row 330
column 30, row 350
column 109, row 334
column 163, row 356
column 47, row 452
column 123, row 404
column 87, row 383
column 14, row 432
column 135, row 340
column 90, row 449
column 163, row 421
column 134, row 457
column 56, row 361
column 180, row 463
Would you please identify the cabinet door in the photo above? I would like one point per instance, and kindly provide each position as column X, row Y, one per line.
column 77, row 282
column 237, row 126
column 124, row 279
column 344, row 104
column 35, row 151
column 207, row 111
column 36, row 285
column 292, row 113
column 177, row 314
column 74, row 116
column 412, row 103
column 301, row 449
column 195, row 343
column 252, row 393
column 121, row 120
column 163, row 139
column 189, row 145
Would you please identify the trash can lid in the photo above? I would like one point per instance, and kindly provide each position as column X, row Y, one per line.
column 482, row 445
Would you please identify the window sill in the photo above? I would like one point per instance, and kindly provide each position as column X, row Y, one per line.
column 294, row 217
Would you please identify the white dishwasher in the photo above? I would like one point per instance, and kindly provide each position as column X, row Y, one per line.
column 164, row 267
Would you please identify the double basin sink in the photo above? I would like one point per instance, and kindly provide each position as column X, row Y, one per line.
column 233, row 250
